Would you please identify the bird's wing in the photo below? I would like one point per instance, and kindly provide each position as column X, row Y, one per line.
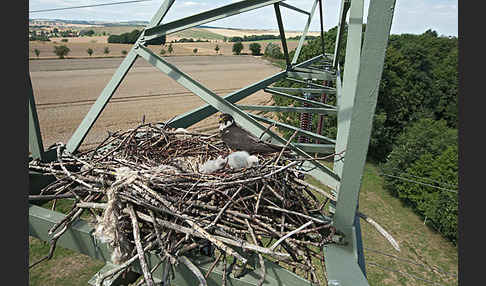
column 241, row 137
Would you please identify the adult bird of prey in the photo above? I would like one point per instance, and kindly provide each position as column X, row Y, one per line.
column 239, row 139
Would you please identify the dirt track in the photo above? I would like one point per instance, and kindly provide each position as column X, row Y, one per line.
column 66, row 89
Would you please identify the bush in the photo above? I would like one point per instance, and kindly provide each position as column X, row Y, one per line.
column 162, row 52
column 88, row 33
column 61, row 51
column 124, row 52
column 37, row 52
column 255, row 49
column 131, row 38
column 273, row 51
column 106, row 50
column 237, row 47
column 427, row 149
column 437, row 205
column 194, row 51
column 89, row 51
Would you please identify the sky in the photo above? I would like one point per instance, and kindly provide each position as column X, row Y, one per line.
column 410, row 16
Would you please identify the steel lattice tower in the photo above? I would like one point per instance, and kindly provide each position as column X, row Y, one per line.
column 356, row 91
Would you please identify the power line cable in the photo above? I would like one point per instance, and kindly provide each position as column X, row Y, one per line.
column 87, row 6
column 421, row 183
column 423, row 178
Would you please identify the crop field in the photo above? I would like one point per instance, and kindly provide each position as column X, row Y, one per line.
column 65, row 90
column 79, row 46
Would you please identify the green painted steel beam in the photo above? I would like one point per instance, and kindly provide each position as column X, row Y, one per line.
column 350, row 77
column 328, row 90
column 339, row 146
column 314, row 70
column 378, row 26
column 341, row 262
column 345, row 4
column 35, row 138
column 304, row 33
column 160, row 14
column 300, row 99
column 274, row 108
column 293, row 128
column 79, row 237
column 283, row 4
column 316, row 148
column 281, row 30
column 310, row 75
column 308, row 83
column 192, row 117
column 321, row 21
column 205, row 17
column 97, row 108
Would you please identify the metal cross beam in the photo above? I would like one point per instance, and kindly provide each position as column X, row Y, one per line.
column 282, row 34
column 35, row 139
column 206, row 17
column 342, row 21
column 283, row 4
column 298, row 98
column 100, row 104
column 342, row 259
column 274, row 108
column 328, row 90
column 304, row 34
column 192, row 117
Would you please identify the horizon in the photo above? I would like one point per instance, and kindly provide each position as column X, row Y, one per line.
column 410, row 17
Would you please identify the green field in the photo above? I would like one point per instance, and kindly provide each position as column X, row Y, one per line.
column 424, row 253
column 189, row 33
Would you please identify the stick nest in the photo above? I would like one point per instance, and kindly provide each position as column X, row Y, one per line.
column 144, row 191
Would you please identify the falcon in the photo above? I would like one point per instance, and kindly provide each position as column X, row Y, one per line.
column 239, row 139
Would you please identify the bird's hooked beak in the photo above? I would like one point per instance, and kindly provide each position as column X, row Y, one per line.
column 222, row 117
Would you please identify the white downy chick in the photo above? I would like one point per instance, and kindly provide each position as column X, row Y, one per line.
column 241, row 159
column 212, row 166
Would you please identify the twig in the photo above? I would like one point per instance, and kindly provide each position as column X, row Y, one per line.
column 213, row 265
column 194, row 269
column 380, row 229
column 260, row 257
column 141, row 255
column 290, row 234
column 285, row 147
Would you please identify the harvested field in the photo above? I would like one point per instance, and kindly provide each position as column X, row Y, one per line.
column 78, row 48
column 65, row 90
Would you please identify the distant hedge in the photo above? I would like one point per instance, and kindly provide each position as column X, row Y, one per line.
column 131, row 38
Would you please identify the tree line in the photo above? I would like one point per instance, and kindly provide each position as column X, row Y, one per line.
column 253, row 38
column 131, row 38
